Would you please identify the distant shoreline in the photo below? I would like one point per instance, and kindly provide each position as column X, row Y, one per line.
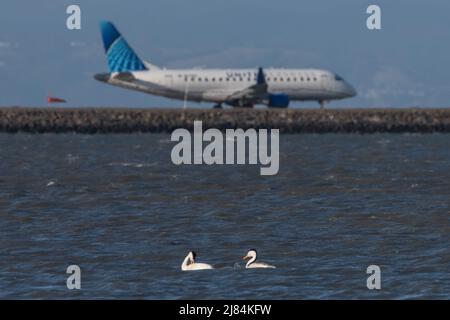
column 129, row 120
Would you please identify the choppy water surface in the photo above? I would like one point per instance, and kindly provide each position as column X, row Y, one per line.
column 116, row 206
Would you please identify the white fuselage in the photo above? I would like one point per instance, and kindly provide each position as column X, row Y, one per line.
column 215, row 85
column 236, row 87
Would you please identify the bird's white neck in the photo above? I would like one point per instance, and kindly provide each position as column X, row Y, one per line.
column 186, row 261
column 251, row 261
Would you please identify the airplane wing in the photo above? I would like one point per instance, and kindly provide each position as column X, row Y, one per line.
column 253, row 94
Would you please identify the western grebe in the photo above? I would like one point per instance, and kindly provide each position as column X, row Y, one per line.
column 189, row 263
column 251, row 254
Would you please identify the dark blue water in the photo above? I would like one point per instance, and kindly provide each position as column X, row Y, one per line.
column 116, row 206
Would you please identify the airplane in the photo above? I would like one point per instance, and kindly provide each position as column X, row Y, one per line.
column 241, row 88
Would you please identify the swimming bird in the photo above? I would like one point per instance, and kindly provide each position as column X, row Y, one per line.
column 251, row 254
column 189, row 263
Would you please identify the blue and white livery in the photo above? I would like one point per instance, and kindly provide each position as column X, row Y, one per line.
column 275, row 88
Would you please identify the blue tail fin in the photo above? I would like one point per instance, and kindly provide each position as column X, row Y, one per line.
column 121, row 57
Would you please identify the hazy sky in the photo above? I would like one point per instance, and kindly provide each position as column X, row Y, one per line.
column 407, row 63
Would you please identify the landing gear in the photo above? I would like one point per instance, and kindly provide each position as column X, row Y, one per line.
column 243, row 105
column 218, row 106
column 322, row 104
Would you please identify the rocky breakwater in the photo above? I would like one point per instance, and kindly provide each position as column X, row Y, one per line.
column 127, row 120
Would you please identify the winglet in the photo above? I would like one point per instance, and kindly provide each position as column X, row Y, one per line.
column 261, row 79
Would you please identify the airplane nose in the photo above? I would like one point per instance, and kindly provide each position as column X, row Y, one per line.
column 351, row 91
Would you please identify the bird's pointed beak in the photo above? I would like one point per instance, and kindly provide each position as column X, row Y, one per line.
column 246, row 257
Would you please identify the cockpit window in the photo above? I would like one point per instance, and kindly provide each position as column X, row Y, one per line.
column 338, row 78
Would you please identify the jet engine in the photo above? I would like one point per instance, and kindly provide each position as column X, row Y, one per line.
column 278, row 100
